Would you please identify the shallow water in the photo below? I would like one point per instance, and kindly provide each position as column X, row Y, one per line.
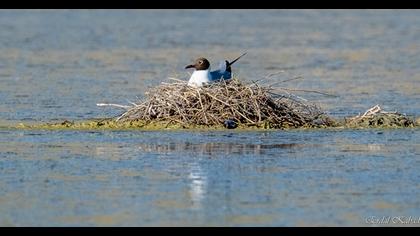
column 214, row 178
column 57, row 65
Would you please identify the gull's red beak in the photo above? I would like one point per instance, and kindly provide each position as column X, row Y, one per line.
column 189, row 66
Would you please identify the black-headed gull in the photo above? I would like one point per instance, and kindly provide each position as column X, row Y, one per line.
column 202, row 74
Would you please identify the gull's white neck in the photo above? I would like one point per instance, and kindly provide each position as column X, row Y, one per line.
column 200, row 77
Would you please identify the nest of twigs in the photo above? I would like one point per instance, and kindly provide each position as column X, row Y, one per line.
column 246, row 104
column 376, row 117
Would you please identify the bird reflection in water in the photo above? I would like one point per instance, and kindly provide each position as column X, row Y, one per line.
column 198, row 185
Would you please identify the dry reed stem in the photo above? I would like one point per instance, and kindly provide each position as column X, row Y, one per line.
column 368, row 113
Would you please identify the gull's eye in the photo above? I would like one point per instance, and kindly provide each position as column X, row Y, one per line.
column 200, row 62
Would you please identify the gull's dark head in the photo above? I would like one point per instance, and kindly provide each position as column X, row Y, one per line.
column 200, row 64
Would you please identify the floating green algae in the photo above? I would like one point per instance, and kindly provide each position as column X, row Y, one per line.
column 380, row 120
column 111, row 124
column 105, row 124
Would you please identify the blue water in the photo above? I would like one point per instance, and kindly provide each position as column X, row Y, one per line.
column 57, row 64
column 171, row 178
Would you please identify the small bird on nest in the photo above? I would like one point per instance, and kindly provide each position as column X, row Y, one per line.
column 202, row 74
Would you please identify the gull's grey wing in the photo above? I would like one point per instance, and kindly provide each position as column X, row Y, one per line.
column 222, row 72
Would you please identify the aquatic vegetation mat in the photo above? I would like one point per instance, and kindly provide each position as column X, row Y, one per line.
column 376, row 117
column 228, row 103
